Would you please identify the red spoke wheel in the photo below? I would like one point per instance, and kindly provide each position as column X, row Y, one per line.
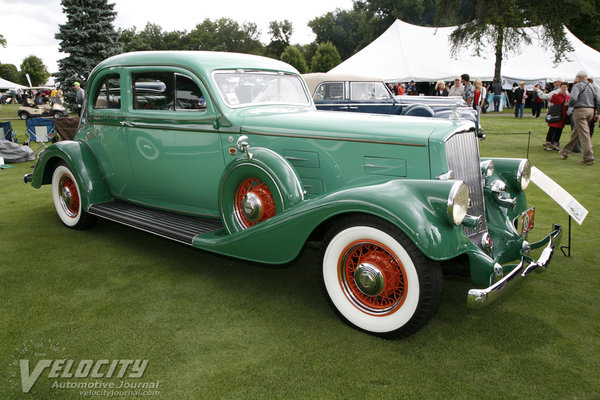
column 254, row 202
column 67, row 199
column 376, row 279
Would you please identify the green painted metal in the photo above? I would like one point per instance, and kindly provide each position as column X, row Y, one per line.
column 320, row 165
column 82, row 162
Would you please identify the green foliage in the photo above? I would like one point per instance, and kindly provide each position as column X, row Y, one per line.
column 2, row 41
column 499, row 23
column 294, row 57
column 88, row 37
column 586, row 24
column 38, row 73
column 225, row 35
column 152, row 37
column 345, row 29
column 280, row 38
column 325, row 58
column 9, row 72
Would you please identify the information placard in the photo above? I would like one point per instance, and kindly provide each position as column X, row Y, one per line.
column 559, row 195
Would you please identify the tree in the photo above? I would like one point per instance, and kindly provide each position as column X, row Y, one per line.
column 9, row 72
column 345, row 29
column 380, row 14
column 88, row 37
column 586, row 25
column 38, row 73
column 2, row 41
column 280, row 32
column 325, row 58
column 225, row 35
column 500, row 23
column 294, row 57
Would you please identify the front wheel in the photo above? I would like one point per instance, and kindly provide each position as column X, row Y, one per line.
column 67, row 199
column 376, row 279
column 24, row 115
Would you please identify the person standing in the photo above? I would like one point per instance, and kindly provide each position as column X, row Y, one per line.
column 479, row 94
column 440, row 89
column 519, row 100
column 79, row 96
column 584, row 100
column 469, row 89
column 411, row 90
column 536, row 101
column 457, row 89
column 559, row 96
column 497, row 91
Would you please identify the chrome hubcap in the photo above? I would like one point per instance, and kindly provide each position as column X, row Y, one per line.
column 65, row 195
column 369, row 279
column 251, row 206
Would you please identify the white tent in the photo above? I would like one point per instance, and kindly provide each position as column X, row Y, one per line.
column 4, row 84
column 407, row 52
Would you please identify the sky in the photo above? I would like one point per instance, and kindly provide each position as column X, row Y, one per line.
column 29, row 25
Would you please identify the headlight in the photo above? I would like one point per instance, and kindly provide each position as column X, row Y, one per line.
column 524, row 174
column 458, row 202
column 487, row 168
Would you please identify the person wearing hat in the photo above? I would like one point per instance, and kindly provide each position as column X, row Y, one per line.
column 79, row 96
column 457, row 89
column 586, row 103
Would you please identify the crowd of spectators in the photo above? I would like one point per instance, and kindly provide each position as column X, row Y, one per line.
column 577, row 102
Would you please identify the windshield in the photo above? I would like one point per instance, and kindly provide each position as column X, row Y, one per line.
column 246, row 87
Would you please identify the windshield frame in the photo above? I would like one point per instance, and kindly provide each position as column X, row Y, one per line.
column 249, row 72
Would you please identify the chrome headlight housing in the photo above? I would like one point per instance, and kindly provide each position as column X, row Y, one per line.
column 524, row 174
column 458, row 202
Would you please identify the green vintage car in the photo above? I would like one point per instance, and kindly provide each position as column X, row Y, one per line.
column 227, row 153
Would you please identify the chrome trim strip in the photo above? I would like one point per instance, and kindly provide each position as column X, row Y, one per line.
column 482, row 297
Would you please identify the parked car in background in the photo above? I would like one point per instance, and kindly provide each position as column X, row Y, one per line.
column 227, row 153
column 340, row 92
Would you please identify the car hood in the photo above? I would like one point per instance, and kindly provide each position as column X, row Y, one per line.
column 307, row 122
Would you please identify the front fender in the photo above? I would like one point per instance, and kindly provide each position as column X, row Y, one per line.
column 417, row 207
column 82, row 162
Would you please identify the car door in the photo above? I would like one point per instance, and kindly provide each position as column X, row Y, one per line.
column 371, row 97
column 174, row 148
column 331, row 96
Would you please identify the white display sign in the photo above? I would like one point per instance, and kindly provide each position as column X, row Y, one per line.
column 559, row 195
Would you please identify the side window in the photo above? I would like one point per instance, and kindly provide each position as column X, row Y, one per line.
column 153, row 91
column 329, row 91
column 188, row 95
column 109, row 93
column 368, row 91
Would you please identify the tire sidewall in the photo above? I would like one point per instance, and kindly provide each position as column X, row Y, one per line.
column 393, row 321
column 58, row 173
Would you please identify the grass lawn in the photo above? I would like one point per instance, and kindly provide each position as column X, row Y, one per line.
column 214, row 327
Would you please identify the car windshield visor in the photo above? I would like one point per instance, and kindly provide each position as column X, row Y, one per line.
column 241, row 88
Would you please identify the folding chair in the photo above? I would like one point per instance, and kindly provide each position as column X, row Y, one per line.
column 8, row 132
column 39, row 130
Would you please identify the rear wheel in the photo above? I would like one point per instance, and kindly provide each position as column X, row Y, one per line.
column 376, row 279
column 23, row 115
column 57, row 115
column 67, row 199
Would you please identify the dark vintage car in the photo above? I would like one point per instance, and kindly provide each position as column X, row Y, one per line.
column 354, row 93
column 227, row 153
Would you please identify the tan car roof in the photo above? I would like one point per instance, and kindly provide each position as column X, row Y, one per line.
column 313, row 80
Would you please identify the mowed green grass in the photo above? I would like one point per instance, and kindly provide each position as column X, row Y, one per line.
column 213, row 327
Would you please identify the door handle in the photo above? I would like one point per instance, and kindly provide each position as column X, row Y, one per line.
column 127, row 124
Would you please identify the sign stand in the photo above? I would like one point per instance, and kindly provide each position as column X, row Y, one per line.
column 568, row 247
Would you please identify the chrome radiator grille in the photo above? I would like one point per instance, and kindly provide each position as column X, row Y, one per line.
column 462, row 154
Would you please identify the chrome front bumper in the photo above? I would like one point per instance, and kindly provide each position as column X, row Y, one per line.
column 481, row 297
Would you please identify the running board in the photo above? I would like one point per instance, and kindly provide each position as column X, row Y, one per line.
column 178, row 227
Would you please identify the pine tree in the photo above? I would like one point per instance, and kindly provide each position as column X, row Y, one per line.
column 88, row 37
